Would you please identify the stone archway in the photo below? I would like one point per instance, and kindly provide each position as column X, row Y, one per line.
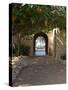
column 43, row 35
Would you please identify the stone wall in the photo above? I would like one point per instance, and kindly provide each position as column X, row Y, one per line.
column 29, row 42
column 50, row 43
column 60, row 43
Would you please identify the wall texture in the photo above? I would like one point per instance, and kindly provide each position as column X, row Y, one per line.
column 56, row 44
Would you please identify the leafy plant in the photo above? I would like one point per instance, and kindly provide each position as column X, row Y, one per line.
column 24, row 50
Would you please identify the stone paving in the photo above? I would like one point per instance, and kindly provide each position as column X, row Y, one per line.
column 41, row 75
column 20, row 63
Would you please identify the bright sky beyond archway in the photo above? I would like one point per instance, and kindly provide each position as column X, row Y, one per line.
column 40, row 46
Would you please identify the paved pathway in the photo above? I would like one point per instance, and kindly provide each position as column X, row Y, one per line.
column 41, row 74
column 23, row 61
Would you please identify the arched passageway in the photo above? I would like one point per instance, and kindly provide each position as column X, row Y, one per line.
column 40, row 44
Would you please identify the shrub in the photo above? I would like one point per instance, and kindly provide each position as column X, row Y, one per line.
column 63, row 56
column 24, row 50
column 15, row 51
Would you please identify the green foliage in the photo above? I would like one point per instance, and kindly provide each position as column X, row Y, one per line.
column 30, row 18
column 24, row 50
column 15, row 51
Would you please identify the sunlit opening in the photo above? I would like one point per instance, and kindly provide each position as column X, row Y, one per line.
column 40, row 46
